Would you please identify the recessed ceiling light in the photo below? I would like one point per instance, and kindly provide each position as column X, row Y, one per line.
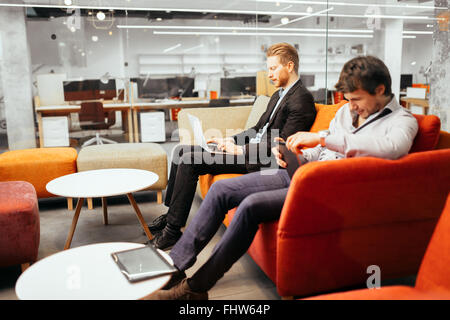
column 68, row 2
column 309, row 9
column 101, row 16
column 110, row 33
column 158, row 19
column 94, row 38
column 73, row 29
column 285, row 20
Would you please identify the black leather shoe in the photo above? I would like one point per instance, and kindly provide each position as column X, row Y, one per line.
column 176, row 278
column 158, row 224
column 166, row 240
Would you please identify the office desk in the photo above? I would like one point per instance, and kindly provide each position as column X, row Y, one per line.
column 129, row 120
column 65, row 110
column 420, row 102
column 169, row 104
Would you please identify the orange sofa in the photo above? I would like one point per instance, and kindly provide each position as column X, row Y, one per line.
column 342, row 216
column 38, row 166
column 433, row 281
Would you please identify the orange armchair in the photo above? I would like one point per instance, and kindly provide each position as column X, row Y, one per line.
column 433, row 281
column 342, row 216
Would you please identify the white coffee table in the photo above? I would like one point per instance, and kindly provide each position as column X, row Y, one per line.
column 102, row 183
column 88, row 273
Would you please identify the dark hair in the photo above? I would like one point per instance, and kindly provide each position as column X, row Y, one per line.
column 365, row 73
column 285, row 53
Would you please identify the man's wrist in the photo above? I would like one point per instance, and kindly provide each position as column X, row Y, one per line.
column 322, row 136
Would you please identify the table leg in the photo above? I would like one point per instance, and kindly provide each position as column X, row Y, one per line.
column 139, row 215
column 74, row 223
column 130, row 126
column 69, row 204
column 40, row 130
column 135, row 125
column 105, row 211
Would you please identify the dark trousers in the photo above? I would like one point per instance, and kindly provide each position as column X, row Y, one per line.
column 188, row 163
column 259, row 197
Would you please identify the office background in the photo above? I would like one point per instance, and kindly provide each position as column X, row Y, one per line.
column 210, row 41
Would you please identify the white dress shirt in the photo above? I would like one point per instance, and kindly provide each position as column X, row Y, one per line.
column 389, row 137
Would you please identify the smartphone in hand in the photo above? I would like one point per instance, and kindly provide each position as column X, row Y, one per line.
column 293, row 160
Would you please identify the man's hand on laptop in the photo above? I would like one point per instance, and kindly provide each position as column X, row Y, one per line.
column 227, row 145
column 301, row 139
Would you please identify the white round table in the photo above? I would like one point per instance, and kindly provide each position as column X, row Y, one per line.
column 88, row 273
column 102, row 183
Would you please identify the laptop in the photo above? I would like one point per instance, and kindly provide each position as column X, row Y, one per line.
column 196, row 125
column 293, row 160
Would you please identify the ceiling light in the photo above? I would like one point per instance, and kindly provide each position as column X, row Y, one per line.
column 172, row 48
column 94, row 38
column 417, row 32
column 101, row 16
column 158, row 19
column 73, row 29
column 255, row 29
column 285, row 20
column 68, row 2
column 309, row 9
column 110, row 33
column 194, row 48
column 322, row 35
column 413, row 63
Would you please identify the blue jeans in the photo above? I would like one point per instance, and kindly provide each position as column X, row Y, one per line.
column 259, row 197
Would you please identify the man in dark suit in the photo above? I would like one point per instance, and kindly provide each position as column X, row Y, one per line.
column 289, row 110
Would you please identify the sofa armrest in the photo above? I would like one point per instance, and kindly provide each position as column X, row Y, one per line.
column 361, row 192
column 216, row 122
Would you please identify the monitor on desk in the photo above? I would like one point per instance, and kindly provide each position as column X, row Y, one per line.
column 152, row 88
column 406, row 80
column 89, row 90
column 181, row 86
column 237, row 86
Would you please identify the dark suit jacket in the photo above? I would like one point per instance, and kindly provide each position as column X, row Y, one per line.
column 296, row 112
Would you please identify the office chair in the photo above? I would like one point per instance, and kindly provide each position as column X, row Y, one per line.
column 93, row 117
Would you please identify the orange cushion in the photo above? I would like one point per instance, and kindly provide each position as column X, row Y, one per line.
column 325, row 113
column 428, row 134
column 38, row 166
column 386, row 293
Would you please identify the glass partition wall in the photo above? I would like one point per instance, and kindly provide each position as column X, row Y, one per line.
column 138, row 56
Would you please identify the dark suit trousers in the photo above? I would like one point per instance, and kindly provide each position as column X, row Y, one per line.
column 188, row 163
column 259, row 197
